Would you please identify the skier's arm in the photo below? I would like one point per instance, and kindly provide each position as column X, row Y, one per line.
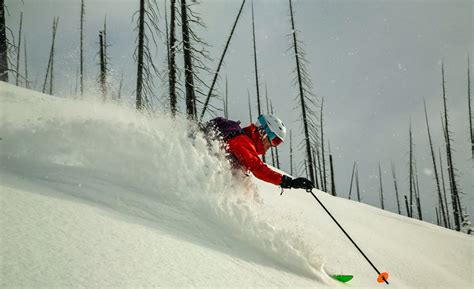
column 247, row 155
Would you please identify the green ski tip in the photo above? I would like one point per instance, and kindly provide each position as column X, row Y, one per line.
column 342, row 278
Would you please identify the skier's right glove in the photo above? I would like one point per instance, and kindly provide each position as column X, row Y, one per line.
column 298, row 183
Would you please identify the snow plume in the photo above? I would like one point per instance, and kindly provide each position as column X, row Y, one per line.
column 144, row 169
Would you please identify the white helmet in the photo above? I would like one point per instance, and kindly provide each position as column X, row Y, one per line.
column 273, row 127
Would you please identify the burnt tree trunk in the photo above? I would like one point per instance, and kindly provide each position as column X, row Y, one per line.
column 396, row 188
column 452, row 183
column 302, row 97
column 17, row 82
column 435, row 167
column 381, row 189
column 333, row 184
column 102, row 75
column 188, row 64
column 81, row 53
column 172, row 59
column 141, row 48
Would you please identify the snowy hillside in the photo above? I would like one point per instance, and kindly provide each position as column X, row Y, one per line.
column 95, row 195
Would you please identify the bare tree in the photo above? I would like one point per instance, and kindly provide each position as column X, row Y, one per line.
column 268, row 112
column 3, row 44
column 469, row 107
column 81, row 53
column 444, row 186
column 410, row 165
column 18, row 52
column 172, row 43
column 324, row 180
column 103, row 69
column 357, row 183
column 50, row 69
column 188, row 66
column 147, row 24
column 435, row 167
column 333, row 183
column 315, row 165
column 352, row 179
column 306, row 101
column 381, row 189
column 396, row 188
column 417, row 193
column 250, row 107
column 195, row 58
column 452, row 179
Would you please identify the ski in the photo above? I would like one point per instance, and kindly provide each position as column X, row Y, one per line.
column 342, row 278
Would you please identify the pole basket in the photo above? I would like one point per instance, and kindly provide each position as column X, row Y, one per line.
column 383, row 277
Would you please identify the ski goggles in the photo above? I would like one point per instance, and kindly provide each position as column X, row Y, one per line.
column 272, row 137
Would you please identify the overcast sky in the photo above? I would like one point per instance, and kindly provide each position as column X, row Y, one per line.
column 373, row 62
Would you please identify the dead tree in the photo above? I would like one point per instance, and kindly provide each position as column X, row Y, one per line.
column 357, row 183
column 103, row 69
column 435, row 167
column 119, row 93
column 18, row 52
column 259, row 106
column 417, row 194
column 333, row 184
column 452, row 179
column 172, row 59
column 396, row 188
column 268, row 112
column 410, row 165
column 469, row 107
column 188, row 65
column 81, row 52
column 306, row 97
column 448, row 218
column 50, row 68
column 3, row 44
column 147, row 24
column 141, row 44
column 315, row 165
column 206, row 103
column 352, row 179
column 321, row 121
column 195, row 55
column 319, row 170
column 381, row 189
column 250, row 107
column 407, row 206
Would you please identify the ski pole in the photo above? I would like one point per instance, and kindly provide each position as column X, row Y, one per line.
column 382, row 277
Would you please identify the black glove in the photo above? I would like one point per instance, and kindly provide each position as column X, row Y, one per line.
column 298, row 183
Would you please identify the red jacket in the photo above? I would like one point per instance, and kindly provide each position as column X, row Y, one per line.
column 246, row 148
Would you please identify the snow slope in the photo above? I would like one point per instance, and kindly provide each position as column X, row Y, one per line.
column 95, row 195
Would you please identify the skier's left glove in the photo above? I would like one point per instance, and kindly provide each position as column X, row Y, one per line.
column 298, row 183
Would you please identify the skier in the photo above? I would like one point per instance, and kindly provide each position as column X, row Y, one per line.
column 244, row 146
